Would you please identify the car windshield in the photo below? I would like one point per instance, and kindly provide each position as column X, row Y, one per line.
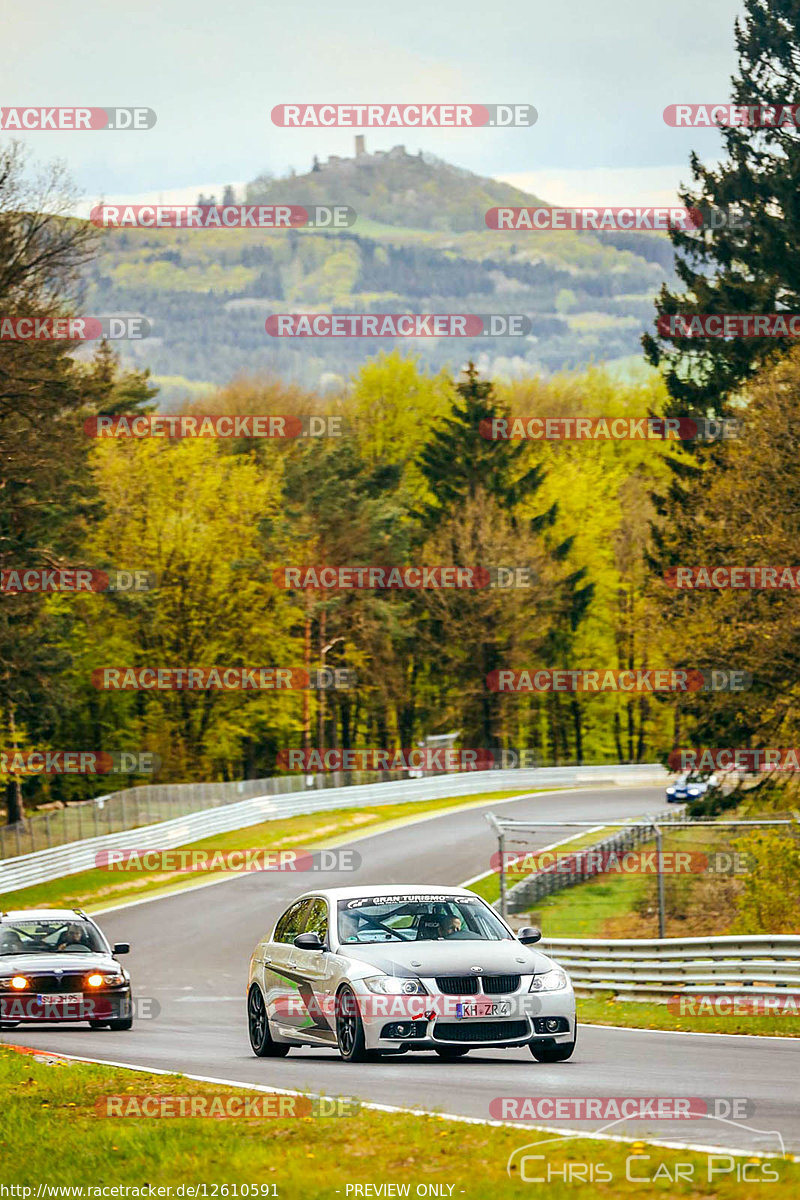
column 414, row 918
column 49, row 936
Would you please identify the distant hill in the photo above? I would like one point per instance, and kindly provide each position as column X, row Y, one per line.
column 395, row 188
column 420, row 244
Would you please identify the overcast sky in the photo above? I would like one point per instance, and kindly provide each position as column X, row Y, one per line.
column 599, row 75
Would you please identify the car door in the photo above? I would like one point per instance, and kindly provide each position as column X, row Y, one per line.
column 314, row 972
column 280, row 988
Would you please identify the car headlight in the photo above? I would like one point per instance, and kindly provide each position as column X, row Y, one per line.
column 670, row 791
column 109, row 979
column 695, row 791
column 394, row 985
column 548, row 981
column 17, row 983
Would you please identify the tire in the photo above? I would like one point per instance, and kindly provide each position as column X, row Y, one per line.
column 350, row 1028
column 122, row 1023
column 98, row 1024
column 258, row 1029
column 551, row 1052
column 452, row 1051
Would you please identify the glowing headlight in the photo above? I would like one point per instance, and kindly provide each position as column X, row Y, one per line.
column 549, row 981
column 394, row 985
column 97, row 980
column 695, row 791
column 19, row 983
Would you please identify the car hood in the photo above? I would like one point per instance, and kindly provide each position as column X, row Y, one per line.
column 456, row 957
column 70, row 964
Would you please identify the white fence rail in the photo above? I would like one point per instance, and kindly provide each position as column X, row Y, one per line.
column 43, row 865
column 757, row 964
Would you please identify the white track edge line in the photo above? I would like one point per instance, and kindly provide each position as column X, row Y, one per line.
column 420, row 1112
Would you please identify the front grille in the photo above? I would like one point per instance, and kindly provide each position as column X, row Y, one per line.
column 49, row 985
column 480, row 1031
column 494, row 985
column 457, row 985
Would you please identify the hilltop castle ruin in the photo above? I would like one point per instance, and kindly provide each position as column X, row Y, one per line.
column 361, row 155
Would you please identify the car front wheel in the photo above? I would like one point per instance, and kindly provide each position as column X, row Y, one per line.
column 264, row 1046
column 350, row 1028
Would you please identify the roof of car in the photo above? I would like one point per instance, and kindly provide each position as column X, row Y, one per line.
column 391, row 889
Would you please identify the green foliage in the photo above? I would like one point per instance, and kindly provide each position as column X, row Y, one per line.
column 770, row 900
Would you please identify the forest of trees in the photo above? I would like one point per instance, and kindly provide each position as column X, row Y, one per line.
column 411, row 481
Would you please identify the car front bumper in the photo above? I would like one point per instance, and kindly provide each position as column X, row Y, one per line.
column 432, row 1021
column 46, row 1009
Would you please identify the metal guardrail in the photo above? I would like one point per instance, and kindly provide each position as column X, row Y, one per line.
column 755, row 964
column 42, row 865
column 131, row 808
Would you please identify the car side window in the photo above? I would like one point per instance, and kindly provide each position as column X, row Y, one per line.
column 317, row 919
column 291, row 923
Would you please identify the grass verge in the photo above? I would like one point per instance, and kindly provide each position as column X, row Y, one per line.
column 603, row 1009
column 52, row 1134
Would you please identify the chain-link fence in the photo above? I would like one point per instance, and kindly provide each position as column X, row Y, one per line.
column 146, row 805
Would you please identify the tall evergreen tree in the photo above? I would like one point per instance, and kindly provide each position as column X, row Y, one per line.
column 751, row 264
column 459, row 461
column 463, row 468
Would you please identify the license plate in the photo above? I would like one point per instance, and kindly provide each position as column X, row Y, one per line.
column 483, row 1008
column 60, row 998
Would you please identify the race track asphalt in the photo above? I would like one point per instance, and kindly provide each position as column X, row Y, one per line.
column 190, row 954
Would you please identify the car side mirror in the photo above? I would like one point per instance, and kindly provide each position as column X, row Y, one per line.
column 309, row 941
column 121, row 948
column 529, row 934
